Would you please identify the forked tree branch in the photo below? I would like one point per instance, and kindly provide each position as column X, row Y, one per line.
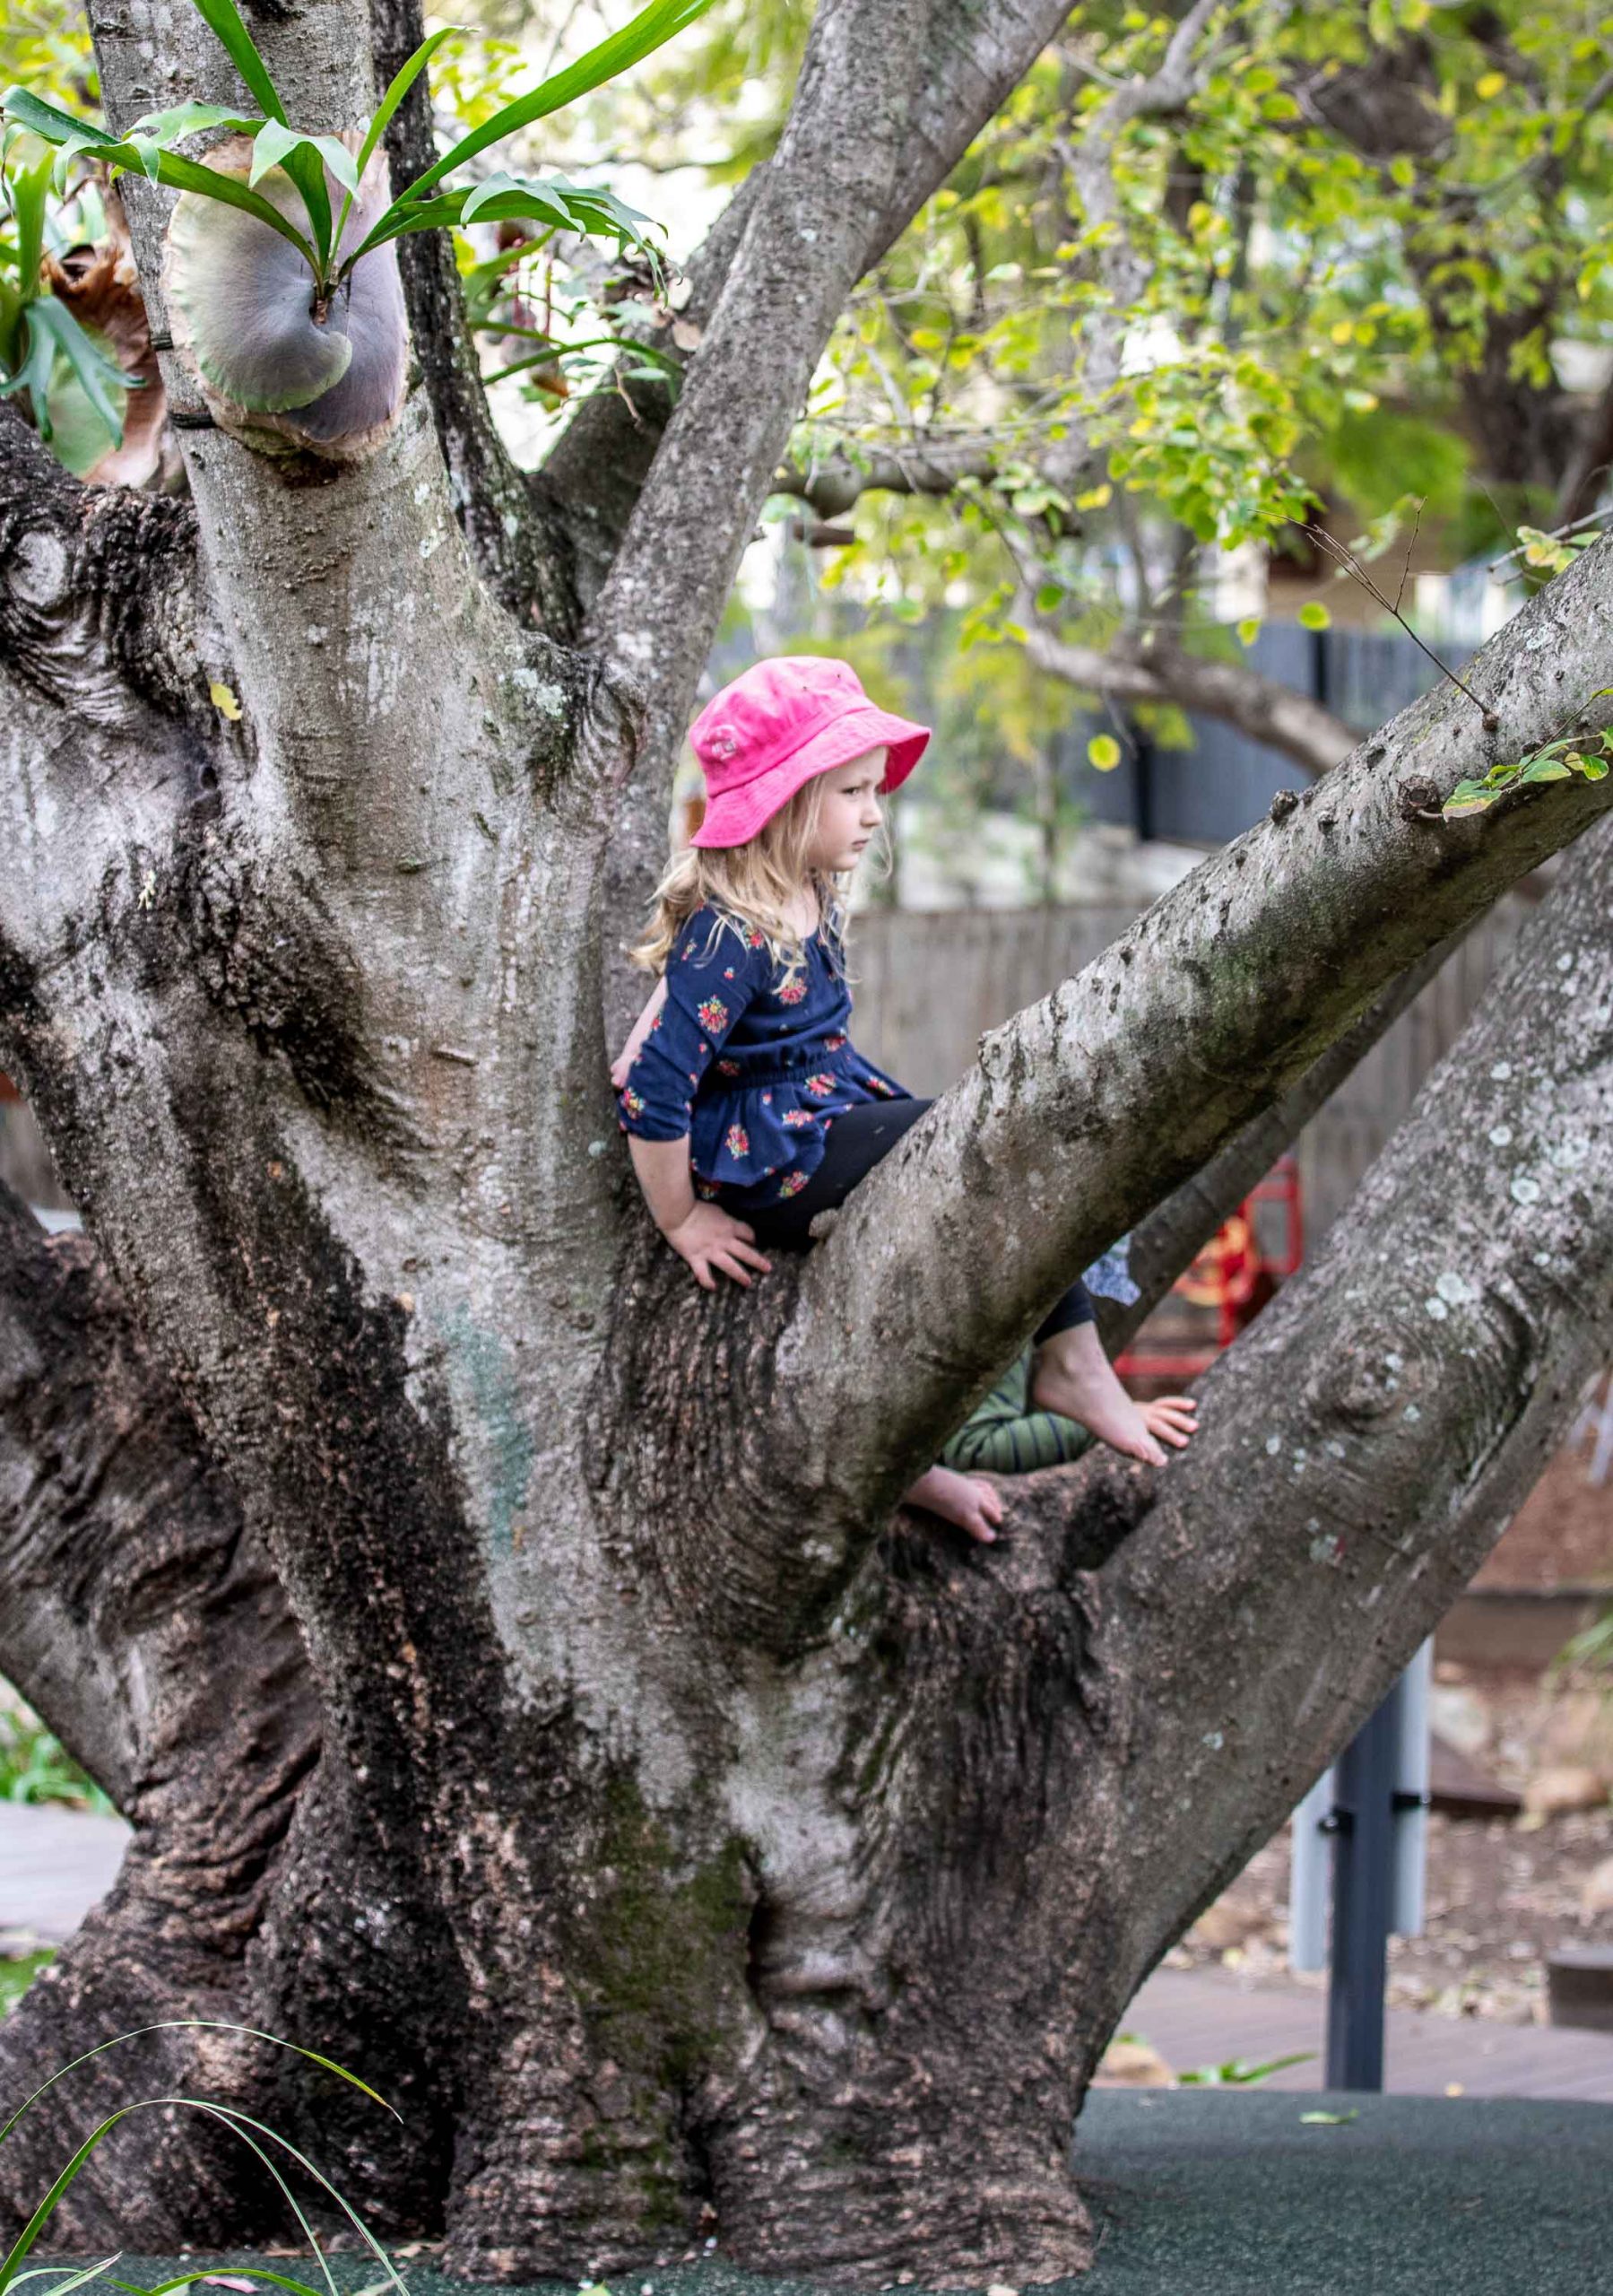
column 1086, row 1110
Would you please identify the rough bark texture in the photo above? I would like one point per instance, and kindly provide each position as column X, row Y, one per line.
column 504, row 1651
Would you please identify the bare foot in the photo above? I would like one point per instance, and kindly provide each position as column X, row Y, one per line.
column 1073, row 1376
column 969, row 1501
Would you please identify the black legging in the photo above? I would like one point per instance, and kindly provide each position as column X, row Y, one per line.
column 857, row 1140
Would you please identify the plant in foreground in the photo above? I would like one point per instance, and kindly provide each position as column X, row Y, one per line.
column 35, row 1767
column 1236, row 2073
column 280, row 272
column 12, row 2271
column 37, row 331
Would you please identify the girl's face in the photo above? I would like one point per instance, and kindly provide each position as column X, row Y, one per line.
column 848, row 813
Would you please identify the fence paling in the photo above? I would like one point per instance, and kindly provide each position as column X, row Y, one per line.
column 930, row 983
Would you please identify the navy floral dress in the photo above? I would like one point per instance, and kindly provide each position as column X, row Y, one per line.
column 754, row 1065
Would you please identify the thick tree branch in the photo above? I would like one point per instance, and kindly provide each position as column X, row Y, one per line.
column 97, row 588
column 132, row 1606
column 1191, row 1663
column 1168, row 1240
column 831, row 486
column 1380, row 1422
column 1086, row 1110
column 520, row 555
column 1263, row 707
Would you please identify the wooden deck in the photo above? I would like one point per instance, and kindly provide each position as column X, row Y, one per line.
column 1203, row 2017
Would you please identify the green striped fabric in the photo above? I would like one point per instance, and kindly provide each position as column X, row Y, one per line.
column 1004, row 1436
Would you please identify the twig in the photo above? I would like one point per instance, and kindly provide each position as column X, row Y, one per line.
column 1411, row 546
column 1556, row 534
column 1352, row 566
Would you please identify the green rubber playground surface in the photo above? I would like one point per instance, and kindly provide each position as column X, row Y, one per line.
column 1214, row 2195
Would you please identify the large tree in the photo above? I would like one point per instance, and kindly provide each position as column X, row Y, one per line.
column 506, row 1654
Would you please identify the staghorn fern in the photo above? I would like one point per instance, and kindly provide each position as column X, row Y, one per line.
column 280, row 268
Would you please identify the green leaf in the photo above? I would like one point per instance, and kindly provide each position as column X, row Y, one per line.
column 653, row 26
column 1546, row 769
column 223, row 18
column 546, row 205
column 1248, row 630
column 1330, row 2121
column 1050, row 597
column 1594, row 769
column 47, row 120
column 303, row 159
column 1467, row 798
column 1104, row 751
column 1313, row 615
column 33, row 374
column 29, row 189
column 180, row 120
column 94, row 373
column 402, row 81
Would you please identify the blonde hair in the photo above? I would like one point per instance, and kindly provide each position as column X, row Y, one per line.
column 750, row 887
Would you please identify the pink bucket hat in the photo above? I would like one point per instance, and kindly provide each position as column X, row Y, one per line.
column 779, row 725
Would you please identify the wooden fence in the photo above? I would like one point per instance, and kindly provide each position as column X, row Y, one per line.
column 928, row 983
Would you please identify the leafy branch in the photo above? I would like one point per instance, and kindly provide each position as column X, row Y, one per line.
column 1557, row 761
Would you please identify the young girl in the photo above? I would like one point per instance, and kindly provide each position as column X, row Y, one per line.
column 749, row 1109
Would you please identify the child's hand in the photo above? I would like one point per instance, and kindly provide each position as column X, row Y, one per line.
column 1171, row 1419
column 622, row 1064
column 711, row 1237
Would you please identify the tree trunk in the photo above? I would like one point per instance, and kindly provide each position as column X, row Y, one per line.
column 504, row 1652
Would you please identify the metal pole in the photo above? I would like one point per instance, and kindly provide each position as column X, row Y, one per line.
column 1363, row 1889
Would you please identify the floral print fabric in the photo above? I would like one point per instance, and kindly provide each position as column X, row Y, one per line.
column 753, row 1064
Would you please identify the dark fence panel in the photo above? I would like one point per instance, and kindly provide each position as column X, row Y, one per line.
column 929, row 983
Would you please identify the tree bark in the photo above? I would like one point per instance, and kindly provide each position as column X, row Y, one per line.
column 504, row 1652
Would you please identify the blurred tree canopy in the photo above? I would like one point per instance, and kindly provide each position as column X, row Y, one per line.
column 1214, row 278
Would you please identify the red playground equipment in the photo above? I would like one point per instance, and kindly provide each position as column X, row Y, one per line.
column 1232, row 1277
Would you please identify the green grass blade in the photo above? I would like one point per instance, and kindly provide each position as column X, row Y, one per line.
column 649, row 30
column 240, row 2122
column 74, row 2280
column 189, row 2279
column 231, row 2118
column 237, row 2123
column 204, row 2024
column 46, row 2208
column 223, row 18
